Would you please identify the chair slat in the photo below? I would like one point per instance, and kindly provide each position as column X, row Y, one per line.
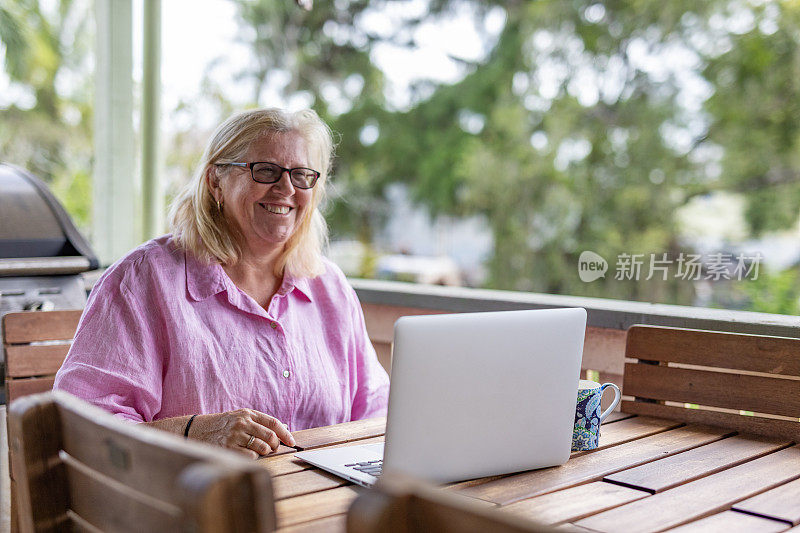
column 27, row 361
column 755, row 353
column 32, row 326
column 748, row 424
column 17, row 388
column 136, row 457
column 124, row 458
column 41, row 480
column 74, row 461
column 767, row 395
column 121, row 510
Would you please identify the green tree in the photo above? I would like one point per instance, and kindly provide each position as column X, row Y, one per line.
column 48, row 130
column 754, row 113
column 596, row 122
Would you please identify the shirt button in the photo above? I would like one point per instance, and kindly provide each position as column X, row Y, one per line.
column 286, row 373
column 274, row 325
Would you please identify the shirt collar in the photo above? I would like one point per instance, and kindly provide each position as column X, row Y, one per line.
column 207, row 279
column 203, row 279
column 292, row 283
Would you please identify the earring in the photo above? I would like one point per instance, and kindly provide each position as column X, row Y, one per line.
column 219, row 206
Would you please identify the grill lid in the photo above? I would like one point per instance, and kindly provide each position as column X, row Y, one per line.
column 37, row 236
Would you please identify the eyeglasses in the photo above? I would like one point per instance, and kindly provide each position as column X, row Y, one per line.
column 266, row 172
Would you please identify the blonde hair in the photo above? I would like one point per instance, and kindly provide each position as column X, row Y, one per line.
column 200, row 228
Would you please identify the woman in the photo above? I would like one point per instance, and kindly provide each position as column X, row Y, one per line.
column 234, row 330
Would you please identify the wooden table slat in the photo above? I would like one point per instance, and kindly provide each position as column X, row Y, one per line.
column 706, row 460
column 782, row 503
column 595, row 465
column 700, row 498
column 304, row 482
column 616, row 416
column 575, row 503
column 330, row 435
column 628, row 430
column 331, row 524
column 340, row 433
column 314, row 506
column 617, row 433
column 731, row 521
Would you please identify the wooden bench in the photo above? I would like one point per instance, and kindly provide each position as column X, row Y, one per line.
column 749, row 383
column 81, row 468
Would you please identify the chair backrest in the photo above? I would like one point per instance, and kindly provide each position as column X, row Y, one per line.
column 35, row 343
column 744, row 382
column 79, row 467
column 398, row 504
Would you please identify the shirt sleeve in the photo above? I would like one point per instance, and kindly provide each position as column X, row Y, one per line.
column 114, row 362
column 372, row 382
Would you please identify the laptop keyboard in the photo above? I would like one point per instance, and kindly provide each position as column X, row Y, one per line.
column 372, row 468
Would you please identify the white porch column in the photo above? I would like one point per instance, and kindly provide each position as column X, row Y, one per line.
column 114, row 189
column 152, row 192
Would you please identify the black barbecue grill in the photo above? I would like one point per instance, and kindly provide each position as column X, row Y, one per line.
column 42, row 254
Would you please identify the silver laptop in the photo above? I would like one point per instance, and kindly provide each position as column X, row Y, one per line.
column 473, row 395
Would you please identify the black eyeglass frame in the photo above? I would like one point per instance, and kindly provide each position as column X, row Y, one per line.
column 283, row 169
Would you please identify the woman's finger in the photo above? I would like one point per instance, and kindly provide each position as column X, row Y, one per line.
column 262, row 434
column 259, row 446
column 275, row 425
column 249, row 453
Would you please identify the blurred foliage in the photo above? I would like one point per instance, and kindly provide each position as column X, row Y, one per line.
column 586, row 126
column 635, row 108
column 48, row 58
column 775, row 293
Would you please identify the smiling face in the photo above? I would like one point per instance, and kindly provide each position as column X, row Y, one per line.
column 264, row 216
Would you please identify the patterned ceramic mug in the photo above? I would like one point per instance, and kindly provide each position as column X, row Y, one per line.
column 588, row 418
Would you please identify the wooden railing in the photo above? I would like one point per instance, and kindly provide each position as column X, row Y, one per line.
column 384, row 302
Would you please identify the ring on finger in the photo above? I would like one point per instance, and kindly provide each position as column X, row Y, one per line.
column 250, row 442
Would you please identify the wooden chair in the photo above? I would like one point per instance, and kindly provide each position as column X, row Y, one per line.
column 398, row 504
column 750, row 383
column 80, row 468
column 35, row 343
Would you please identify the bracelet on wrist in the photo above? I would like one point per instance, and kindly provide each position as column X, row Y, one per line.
column 188, row 425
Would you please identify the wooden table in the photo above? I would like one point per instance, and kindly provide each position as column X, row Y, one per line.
column 648, row 475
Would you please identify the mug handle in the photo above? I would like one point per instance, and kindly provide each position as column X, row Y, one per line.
column 617, row 396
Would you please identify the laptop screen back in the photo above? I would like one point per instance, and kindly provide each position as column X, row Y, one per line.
column 479, row 394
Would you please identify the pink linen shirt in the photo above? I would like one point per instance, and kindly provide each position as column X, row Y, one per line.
column 165, row 335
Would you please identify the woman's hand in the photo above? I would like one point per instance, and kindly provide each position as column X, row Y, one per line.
column 234, row 429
